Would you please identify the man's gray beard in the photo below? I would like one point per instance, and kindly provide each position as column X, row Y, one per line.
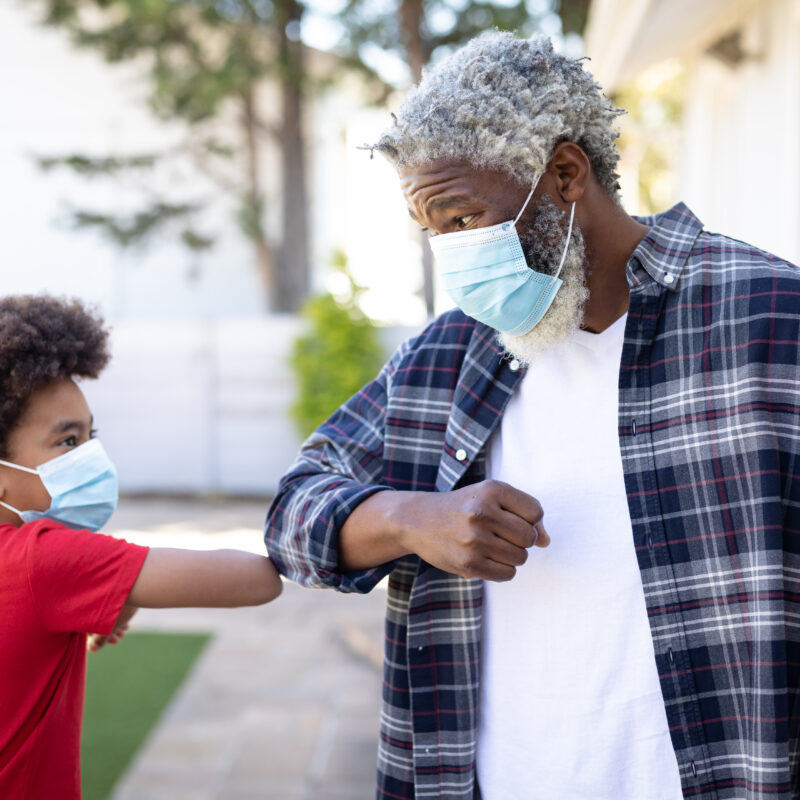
column 543, row 247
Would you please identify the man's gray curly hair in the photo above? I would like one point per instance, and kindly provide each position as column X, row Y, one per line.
column 504, row 103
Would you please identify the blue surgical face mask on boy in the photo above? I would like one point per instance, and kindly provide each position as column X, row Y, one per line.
column 82, row 485
column 485, row 273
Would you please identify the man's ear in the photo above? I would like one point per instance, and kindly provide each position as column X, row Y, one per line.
column 571, row 171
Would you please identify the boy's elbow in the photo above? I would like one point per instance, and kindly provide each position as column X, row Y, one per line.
column 272, row 591
column 265, row 588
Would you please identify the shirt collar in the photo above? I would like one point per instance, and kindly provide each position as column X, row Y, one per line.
column 665, row 249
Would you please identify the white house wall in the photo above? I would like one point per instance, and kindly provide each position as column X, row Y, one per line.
column 198, row 406
column 202, row 407
column 741, row 167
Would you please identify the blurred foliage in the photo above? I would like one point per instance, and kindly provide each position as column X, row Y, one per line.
column 416, row 30
column 199, row 53
column 339, row 353
column 93, row 167
column 205, row 60
column 124, row 231
column 650, row 132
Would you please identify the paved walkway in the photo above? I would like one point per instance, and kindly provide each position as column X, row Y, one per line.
column 283, row 702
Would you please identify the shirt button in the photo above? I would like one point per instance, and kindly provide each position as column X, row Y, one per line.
column 650, row 542
column 513, row 365
column 669, row 279
column 461, row 454
column 694, row 769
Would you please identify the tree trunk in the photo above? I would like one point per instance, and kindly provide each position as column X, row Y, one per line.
column 254, row 226
column 412, row 16
column 293, row 257
column 574, row 14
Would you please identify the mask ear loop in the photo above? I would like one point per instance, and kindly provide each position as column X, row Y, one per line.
column 17, row 466
column 23, row 469
column 12, row 509
column 525, row 204
column 566, row 246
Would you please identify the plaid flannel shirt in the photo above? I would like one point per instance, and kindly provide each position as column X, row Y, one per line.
column 709, row 429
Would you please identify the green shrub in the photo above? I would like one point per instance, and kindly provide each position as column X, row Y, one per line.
column 339, row 353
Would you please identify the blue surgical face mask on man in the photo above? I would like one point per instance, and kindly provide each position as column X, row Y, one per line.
column 82, row 484
column 485, row 273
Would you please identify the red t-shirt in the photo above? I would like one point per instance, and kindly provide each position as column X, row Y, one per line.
column 56, row 585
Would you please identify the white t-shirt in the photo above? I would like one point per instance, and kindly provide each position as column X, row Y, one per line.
column 571, row 706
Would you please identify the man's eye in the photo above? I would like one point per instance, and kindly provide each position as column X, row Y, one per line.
column 462, row 222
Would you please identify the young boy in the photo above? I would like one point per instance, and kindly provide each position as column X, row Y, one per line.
column 59, row 581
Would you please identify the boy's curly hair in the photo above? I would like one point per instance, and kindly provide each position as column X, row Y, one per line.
column 44, row 339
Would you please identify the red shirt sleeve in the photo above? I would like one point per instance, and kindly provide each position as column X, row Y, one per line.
column 80, row 580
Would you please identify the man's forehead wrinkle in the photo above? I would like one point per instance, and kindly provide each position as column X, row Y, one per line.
column 432, row 190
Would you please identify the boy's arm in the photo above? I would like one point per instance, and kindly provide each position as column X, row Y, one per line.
column 171, row 578
column 81, row 582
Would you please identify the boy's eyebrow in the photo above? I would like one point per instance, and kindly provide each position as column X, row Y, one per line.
column 70, row 424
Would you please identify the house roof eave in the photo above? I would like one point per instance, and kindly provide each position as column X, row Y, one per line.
column 625, row 37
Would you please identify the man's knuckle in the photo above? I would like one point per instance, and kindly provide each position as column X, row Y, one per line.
column 530, row 537
column 493, row 488
column 468, row 563
column 468, row 537
column 509, row 574
column 471, row 562
column 477, row 516
column 465, row 570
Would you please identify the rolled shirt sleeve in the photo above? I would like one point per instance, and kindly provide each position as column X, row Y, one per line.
column 339, row 466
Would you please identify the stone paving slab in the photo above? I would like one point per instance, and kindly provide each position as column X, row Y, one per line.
column 283, row 703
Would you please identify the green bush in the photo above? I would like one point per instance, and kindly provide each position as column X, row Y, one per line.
column 338, row 354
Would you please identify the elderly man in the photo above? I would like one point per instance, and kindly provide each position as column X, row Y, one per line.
column 623, row 390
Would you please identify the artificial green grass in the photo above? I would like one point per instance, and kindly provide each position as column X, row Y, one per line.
column 127, row 687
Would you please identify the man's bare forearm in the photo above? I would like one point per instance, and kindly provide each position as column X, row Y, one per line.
column 372, row 535
column 479, row 531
